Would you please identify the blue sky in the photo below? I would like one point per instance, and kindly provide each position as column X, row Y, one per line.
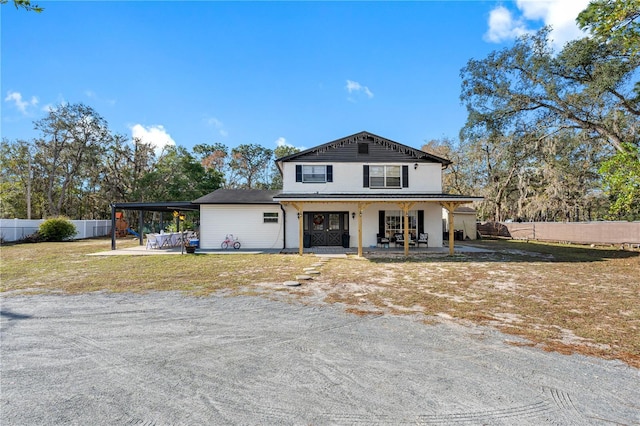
column 297, row 73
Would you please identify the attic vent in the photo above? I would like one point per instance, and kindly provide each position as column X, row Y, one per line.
column 363, row 148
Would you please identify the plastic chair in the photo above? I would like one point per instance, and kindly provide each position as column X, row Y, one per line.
column 152, row 242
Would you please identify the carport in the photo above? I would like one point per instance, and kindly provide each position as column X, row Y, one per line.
column 141, row 207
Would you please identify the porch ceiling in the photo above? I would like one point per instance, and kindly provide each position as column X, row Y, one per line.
column 371, row 198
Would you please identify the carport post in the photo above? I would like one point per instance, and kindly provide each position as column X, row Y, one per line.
column 113, row 227
column 140, row 224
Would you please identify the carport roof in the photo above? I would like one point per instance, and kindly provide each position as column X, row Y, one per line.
column 157, row 206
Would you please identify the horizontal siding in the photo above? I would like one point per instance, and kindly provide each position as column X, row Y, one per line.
column 243, row 221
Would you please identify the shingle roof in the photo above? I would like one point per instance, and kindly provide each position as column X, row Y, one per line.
column 238, row 196
column 464, row 209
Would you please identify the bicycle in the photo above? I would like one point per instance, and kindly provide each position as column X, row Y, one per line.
column 229, row 241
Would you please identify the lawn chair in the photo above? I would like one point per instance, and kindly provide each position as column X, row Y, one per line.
column 152, row 242
column 423, row 238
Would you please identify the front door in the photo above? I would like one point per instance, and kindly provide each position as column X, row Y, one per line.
column 326, row 228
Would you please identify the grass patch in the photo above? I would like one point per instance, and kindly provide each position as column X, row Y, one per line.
column 562, row 298
column 65, row 267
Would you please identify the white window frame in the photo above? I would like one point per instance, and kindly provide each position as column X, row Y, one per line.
column 386, row 176
column 314, row 170
column 393, row 221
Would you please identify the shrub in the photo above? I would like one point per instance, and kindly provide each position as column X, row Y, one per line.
column 57, row 229
column 36, row 237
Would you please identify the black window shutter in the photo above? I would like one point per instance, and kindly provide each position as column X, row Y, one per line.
column 329, row 173
column 381, row 224
column 405, row 176
column 365, row 176
column 420, row 222
column 298, row 173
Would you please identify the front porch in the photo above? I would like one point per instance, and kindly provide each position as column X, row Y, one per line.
column 313, row 218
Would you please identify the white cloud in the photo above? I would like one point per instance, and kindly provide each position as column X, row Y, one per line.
column 503, row 26
column 156, row 136
column 355, row 87
column 282, row 142
column 559, row 14
column 219, row 125
column 21, row 104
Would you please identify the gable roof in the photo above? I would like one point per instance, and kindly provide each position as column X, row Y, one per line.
column 348, row 145
column 238, row 196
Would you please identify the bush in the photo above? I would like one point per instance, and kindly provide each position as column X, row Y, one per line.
column 32, row 238
column 57, row 229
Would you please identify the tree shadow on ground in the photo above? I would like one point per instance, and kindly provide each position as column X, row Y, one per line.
column 13, row 316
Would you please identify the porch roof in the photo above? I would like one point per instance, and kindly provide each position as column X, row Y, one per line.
column 395, row 197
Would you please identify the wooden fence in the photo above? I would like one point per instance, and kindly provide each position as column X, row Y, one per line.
column 573, row 232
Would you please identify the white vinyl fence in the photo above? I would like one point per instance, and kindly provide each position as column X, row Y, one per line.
column 17, row 229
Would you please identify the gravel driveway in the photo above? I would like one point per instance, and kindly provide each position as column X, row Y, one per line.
column 164, row 358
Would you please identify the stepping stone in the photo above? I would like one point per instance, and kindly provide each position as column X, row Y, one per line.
column 317, row 265
column 303, row 277
column 291, row 283
column 314, row 272
column 308, row 269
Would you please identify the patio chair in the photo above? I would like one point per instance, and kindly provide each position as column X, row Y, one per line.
column 382, row 241
column 423, row 238
column 152, row 242
column 398, row 239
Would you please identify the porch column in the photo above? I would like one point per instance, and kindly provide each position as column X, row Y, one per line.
column 359, row 232
column 361, row 207
column 301, row 232
column 299, row 208
column 405, row 210
column 450, row 206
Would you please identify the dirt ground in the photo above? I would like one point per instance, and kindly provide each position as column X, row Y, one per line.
column 167, row 358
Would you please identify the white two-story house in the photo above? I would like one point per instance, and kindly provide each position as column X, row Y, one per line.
column 359, row 191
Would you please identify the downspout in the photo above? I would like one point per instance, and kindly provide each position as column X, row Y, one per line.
column 284, row 227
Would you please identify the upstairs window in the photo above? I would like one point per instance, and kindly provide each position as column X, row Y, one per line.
column 384, row 176
column 314, row 173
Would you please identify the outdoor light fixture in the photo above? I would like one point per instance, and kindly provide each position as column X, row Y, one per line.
column 415, row 166
column 353, row 215
column 298, row 215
